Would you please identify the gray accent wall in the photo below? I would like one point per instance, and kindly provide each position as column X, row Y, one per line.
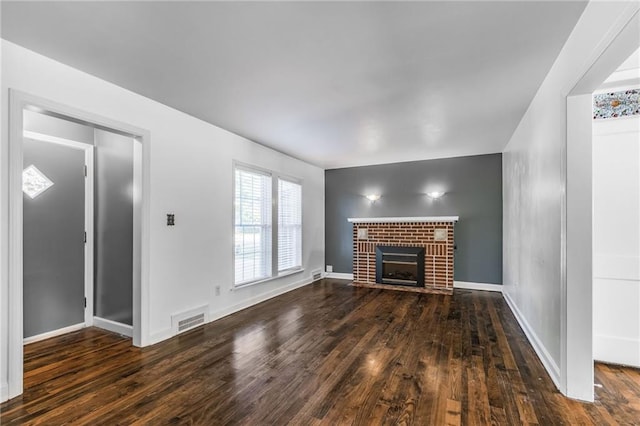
column 473, row 191
column 49, row 304
column 53, row 240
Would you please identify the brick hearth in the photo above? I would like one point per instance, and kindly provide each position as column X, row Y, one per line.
column 415, row 232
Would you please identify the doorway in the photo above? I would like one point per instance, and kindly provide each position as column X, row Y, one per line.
column 616, row 217
column 78, row 232
column 576, row 334
column 20, row 104
column 57, row 218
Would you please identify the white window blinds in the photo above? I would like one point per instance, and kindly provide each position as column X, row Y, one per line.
column 289, row 225
column 252, row 226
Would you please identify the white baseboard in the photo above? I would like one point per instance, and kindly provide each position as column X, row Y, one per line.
column 214, row 315
column 456, row 284
column 616, row 350
column 54, row 333
column 544, row 356
column 477, row 286
column 116, row 327
column 161, row 335
column 4, row 392
column 339, row 276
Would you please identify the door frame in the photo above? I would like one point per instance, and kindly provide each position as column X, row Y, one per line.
column 88, row 218
column 576, row 342
column 18, row 102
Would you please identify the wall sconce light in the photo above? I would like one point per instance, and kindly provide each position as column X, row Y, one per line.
column 373, row 197
column 435, row 194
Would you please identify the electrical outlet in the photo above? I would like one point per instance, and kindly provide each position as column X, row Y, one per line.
column 217, row 290
column 329, row 268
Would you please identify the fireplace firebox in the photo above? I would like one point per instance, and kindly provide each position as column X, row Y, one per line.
column 400, row 265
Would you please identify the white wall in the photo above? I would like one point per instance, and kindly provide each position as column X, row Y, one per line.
column 616, row 240
column 191, row 176
column 4, row 386
column 534, row 185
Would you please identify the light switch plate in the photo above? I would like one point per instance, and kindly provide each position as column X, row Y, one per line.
column 440, row 234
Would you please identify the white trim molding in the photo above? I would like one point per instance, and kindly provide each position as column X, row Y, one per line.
column 339, row 276
column 617, row 39
column 54, row 333
column 215, row 315
column 478, row 286
column 456, row 284
column 403, row 219
column 221, row 313
column 113, row 326
column 545, row 357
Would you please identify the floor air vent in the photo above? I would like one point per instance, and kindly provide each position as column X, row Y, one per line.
column 190, row 319
column 317, row 274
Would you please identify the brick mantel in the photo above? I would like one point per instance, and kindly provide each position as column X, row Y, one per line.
column 405, row 232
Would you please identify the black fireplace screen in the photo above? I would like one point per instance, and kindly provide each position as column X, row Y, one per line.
column 400, row 265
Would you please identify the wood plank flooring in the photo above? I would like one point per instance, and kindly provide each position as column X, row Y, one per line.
column 325, row 354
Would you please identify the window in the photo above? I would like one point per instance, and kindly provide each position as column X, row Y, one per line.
column 252, row 226
column 289, row 225
column 267, row 225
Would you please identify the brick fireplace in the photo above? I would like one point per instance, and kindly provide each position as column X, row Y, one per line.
column 432, row 237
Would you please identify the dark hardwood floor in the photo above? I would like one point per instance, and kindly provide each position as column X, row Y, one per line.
column 327, row 354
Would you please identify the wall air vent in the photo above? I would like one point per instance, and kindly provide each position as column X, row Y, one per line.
column 189, row 319
column 317, row 274
column 190, row 322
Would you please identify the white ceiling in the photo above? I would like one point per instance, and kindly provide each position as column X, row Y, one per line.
column 334, row 83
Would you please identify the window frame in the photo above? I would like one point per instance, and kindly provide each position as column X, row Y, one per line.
column 275, row 176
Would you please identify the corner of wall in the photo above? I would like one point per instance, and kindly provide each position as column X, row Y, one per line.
column 159, row 336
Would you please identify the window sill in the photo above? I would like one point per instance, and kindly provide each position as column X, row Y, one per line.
column 266, row 280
